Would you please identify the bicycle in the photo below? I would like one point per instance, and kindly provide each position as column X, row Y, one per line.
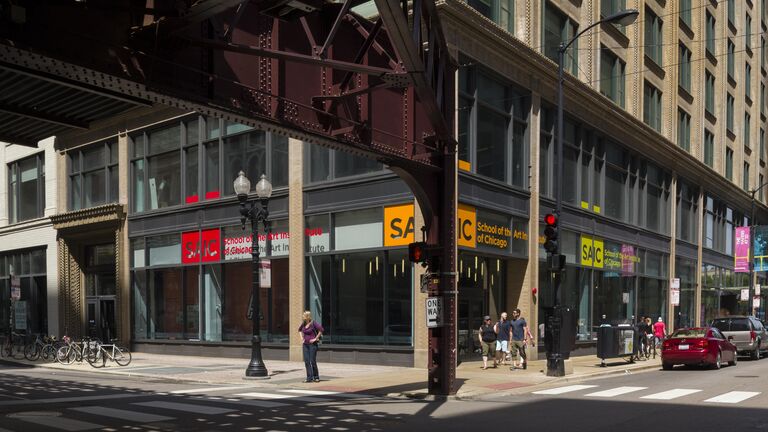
column 13, row 346
column 76, row 351
column 44, row 348
column 119, row 355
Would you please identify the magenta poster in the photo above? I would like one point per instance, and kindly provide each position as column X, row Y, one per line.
column 741, row 250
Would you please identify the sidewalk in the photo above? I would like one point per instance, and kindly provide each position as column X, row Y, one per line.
column 471, row 380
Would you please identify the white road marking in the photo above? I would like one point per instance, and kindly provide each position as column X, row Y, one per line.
column 671, row 394
column 61, row 423
column 566, row 389
column 70, row 399
column 733, row 397
column 132, row 416
column 197, row 409
column 259, row 395
column 615, row 392
column 324, row 393
column 256, row 403
column 206, row 389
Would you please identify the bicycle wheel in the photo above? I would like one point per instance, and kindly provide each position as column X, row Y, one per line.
column 122, row 356
column 48, row 353
column 66, row 355
column 17, row 351
column 32, row 352
column 98, row 359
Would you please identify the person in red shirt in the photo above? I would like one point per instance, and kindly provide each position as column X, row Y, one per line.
column 659, row 330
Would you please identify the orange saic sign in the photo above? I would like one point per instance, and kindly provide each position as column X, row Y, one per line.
column 398, row 225
column 467, row 226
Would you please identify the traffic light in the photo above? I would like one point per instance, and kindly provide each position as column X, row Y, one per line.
column 417, row 252
column 550, row 233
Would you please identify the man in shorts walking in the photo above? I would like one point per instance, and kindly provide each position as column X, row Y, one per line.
column 502, row 339
column 518, row 339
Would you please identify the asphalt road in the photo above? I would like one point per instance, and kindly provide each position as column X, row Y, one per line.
column 729, row 399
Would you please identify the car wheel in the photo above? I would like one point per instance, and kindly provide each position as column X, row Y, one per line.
column 734, row 361
column 667, row 366
column 718, row 361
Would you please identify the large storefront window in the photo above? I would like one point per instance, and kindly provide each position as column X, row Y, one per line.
column 494, row 128
column 688, row 213
column 482, row 288
column 93, row 176
column 209, row 152
column 30, row 312
column 362, row 298
column 198, row 286
column 721, row 293
column 26, row 188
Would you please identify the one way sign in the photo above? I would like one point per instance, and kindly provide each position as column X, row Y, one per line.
column 434, row 312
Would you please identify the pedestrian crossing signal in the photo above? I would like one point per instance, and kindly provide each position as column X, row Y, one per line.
column 417, row 252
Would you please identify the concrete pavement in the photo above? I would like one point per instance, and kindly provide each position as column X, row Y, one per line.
column 472, row 381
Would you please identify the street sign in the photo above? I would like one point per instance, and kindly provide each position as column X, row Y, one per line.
column 756, row 302
column 20, row 315
column 674, row 297
column 15, row 287
column 744, row 294
column 675, row 283
column 434, row 312
column 757, row 289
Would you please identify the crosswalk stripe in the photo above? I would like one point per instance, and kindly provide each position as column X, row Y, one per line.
column 206, row 389
column 566, row 389
column 733, row 397
column 176, row 406
column 260, row 395
column 615, row 391
column 671, row 394
column 132, row 416
column 324, row 393
column 254, row 403
column 61, row 423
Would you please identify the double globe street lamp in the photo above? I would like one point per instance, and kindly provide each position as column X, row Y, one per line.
column 255, row 213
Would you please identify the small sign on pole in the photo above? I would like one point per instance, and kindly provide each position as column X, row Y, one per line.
column 757, row 289
column 675, row 284
column 15, row 287
column 434, row 312
column 744, row 294
column 674, row 297
column 756, row 302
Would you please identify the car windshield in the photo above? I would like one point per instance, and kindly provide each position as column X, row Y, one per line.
column 739, row 325
column 689, row 333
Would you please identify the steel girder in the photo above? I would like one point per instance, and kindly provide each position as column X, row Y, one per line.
column 309, row 69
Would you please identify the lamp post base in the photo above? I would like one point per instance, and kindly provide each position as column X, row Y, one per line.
column 556, row 366
column 256, row 371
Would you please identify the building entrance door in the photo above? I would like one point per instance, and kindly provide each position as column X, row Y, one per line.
column 100, row 313
column 100, row 291
column 481, row 292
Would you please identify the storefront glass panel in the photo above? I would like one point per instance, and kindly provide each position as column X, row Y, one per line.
column 685, row 269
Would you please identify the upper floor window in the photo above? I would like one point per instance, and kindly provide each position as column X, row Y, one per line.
column 684, row 68
column 748, row 80
column 731, row 12
column 684, row 130
column 652, row 107
column 685, row 11
column 323, row 164
column 709, row 93
column 502, row 12
column 747, row 133
column 493, row 120
column 746, row 176
column 748, row 32
column 93, row 176
column 729, row 112
column 687, row 213
column 729, row 164
column 558, row 28
column 731, row 59
column 198, row 159
column 711, row 33
column 610, row 7
column 653, row 36
column 26, row 188
column 709, row 148
column 612, row 82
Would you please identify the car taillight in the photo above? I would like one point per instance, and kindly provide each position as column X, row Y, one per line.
column 752, row 335
column 702, row 344
column 666, row 345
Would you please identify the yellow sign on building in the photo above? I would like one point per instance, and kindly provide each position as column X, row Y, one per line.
column 398, row 225
column 592, row 252
column 466, row 227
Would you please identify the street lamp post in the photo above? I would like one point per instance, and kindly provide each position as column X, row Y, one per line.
column 752, row 225
column 555, row 359
column 255, row 213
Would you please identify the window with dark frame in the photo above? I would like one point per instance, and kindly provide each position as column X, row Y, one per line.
column 558, row 29
column 684, row 130
column 612, row 81
column 684, row 68
column 709, row 93
column 652, row 107
column 731, row 59
column 709, row 148
column 26, row 188
column 711, row 34
column 653, row 37
column 729, row 164
column 93, row 176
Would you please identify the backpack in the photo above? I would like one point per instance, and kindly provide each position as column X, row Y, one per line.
column 317, row 333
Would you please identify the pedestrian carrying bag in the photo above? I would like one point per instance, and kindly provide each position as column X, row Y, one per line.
column 317, row 333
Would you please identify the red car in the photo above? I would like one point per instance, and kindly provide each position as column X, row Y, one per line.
column 704, row 346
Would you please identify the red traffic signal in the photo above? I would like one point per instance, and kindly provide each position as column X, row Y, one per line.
column 550, row 233
column 417, row 252
column 550, row 219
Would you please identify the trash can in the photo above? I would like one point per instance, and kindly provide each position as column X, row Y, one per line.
column 615, row 341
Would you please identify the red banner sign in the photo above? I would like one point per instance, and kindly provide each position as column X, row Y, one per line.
column 197, row 246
